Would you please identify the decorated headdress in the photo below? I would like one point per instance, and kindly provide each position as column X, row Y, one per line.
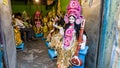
column 73, row 9
column 37, row 14
column 24, row 14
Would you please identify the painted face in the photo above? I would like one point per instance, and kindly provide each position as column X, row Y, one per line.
column 37, row 23
column 71, row 19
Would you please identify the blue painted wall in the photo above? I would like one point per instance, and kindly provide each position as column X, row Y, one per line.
column 108, row 33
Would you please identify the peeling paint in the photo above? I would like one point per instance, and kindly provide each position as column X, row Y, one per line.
column 108, row 36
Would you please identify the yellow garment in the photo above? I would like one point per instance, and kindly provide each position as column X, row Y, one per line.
column 37, row 30
column 45, row 20
column 17, row 37
column 51, row 33
column 64, row 56
column 50, row 25
column 45, row 31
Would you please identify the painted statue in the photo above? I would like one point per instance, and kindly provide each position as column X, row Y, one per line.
column 37, row 23
column 45, row 30
column 45, row 27
column 57, row 20
column 53, row 12
column 17, row 34
column 50, row 25
column 50, row 17
column 68, row 41
column 24, row 15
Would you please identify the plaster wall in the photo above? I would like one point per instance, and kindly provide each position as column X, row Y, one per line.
column 6, row 30
column 109, row 41
column 92, row 27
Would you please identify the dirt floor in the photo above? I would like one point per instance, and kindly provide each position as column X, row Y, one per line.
column 34, row 56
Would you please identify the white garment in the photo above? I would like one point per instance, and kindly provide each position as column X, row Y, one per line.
column 84, row 42
column 19, row 23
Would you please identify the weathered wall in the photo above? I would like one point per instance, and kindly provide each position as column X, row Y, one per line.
column 109, row 35
column 92, row 16
column 9, row 48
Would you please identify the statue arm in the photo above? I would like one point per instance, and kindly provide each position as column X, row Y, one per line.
column 60, row 28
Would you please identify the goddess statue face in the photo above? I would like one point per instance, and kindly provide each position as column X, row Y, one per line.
column 71, row 19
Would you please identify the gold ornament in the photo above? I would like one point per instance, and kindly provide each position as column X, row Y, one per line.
column 50, row 25
column 53, row 13
column 45, row 30
column 17, row 37
column 50, row 14
column 59, row 8
column 45, row 19
column 37, row 30
column 24, row 15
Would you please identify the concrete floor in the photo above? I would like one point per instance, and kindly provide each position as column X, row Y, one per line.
column 34, row 56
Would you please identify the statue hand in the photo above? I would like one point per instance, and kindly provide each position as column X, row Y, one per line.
column 83, row 24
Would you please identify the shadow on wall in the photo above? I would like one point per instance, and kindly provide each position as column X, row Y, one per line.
column 92, row 16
